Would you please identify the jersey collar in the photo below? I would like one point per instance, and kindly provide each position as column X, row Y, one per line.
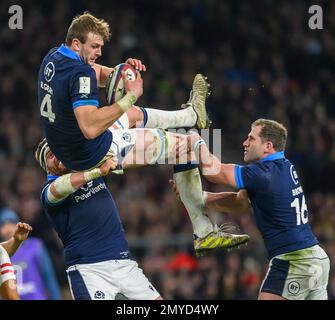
column 51, row 177
column 274, row 156
column 67, row 52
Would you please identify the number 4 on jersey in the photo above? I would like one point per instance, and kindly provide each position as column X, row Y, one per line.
column 46, row 108
column 302, row 213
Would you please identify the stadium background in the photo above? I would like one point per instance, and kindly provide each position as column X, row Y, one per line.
column 262, row 61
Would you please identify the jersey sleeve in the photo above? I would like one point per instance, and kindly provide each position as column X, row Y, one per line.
column 6, row 267
column 84, row 88
column 250, row 177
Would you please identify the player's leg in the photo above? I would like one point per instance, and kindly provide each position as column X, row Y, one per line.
column 208, row 237
column 320, row 266
column 139, row 147
column 297, row 275
column 269, row 296
column 139, row 117
column 155, row 118
column 188, row 183
column 150, row 146
column 87, row 283
column 132, row 282
column 193, row 115
column 156, row 146
column 273, row 284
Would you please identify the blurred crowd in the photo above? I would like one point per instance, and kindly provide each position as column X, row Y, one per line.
column 262, row 61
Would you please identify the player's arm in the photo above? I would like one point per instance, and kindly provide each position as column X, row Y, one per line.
column 21, row 234
column 8, row 290
column 69, row 183
column 211, row 167
column 229, row 202
column 93, row 121
column 102, row 73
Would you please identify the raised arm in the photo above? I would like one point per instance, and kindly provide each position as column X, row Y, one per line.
column 211, row 167
column 21, row 233
column 94, row 121
column 102, row 73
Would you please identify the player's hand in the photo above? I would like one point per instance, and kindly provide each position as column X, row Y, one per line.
column 192, row 138
column 135, row 86
column 109, row 165
column 174, row 188
column 137, row 64
column 22, row 231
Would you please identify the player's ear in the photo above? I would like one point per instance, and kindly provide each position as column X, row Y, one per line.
column 269, row 146
column 76, row 44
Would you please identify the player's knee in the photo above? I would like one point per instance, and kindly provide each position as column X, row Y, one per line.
column 150, row 137
column 135, row 117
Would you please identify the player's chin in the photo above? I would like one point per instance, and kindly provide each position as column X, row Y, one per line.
column 246, row 158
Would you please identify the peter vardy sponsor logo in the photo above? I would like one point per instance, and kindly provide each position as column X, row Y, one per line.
column 89, row 191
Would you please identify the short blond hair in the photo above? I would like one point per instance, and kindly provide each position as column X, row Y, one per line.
column 83, row 24
column 272, row 131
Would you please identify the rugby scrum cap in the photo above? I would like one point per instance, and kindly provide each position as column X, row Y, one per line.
column 41, row 152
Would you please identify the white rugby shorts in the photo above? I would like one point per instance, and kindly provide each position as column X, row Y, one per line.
column 299, row 275
column 104, row 280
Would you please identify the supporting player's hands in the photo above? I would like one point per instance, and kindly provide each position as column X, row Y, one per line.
column 109, row 165
column 192, row 139
column 137, row 64
column 184, row 146
column 22, row 231
column 134, row 86
column 174, row 188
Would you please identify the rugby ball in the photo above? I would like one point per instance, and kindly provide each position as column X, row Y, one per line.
column 114, row 88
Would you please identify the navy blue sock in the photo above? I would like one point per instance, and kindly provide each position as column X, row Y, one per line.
column 184, row 167
column 145, row 115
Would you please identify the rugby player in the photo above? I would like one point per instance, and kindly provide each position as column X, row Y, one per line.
column 79, row 205
column 8, row 287
column 78, row 131
column 269, row 184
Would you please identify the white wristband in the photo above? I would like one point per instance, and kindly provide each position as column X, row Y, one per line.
column 92, row 174
column 127, row 101
column 198, row 144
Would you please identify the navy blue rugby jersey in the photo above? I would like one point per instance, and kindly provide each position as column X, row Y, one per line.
column 65, row 82
column 88, row 224
column 279, row 203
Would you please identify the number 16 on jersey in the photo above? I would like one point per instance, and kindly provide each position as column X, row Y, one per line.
column 302, row 212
